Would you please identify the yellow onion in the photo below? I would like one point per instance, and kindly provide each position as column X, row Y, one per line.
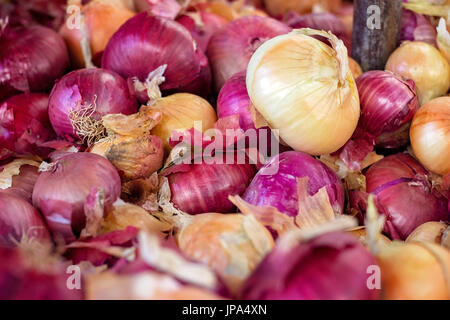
column 179, row 112
column 355, row 68
column 433, row 232
column 102, row 19
column 424, row 64
column 443, row 39
column 306, row 90
column 279, row 7
column 414, row 271
column 230, row 10
column 430, row 135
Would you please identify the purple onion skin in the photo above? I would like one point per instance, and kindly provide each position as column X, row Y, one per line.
column 321, row 21
column 388, row 104
column 416, row 27
column 60, row 193
column 332, row 266
column 404, row 194
column 206, row 187
column 25, row 125
column 279, row 189
column 145, row 43
column 101, row 89
column 31, row 59
column 19, row 220
column 22, row 184
column 230, row 49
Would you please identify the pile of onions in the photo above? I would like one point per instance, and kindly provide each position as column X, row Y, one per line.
column 31, row 59
column 231, row 48
column 305, row 89
column 403, row 193
column 19, row 221
column 388, row 104
column 275, row 185
column 180, row 112
column 206, row 187
column 416, row 27
column 332, row 266
column 424, row 64
column 18, row 177
column 25, row 125
column 145, row 43
column 81, row 98
column 430, row 135
column 279, row 7
column 202, row 25
column 60, row 192
column 102, row 19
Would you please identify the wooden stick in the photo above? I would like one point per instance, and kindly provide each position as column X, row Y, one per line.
column 376, row 27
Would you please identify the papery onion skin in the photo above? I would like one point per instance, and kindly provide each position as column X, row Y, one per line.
column 180, row 111
column 404, row 194
column 416, row 27
column 332, row 266
column 31, row 59
column 388, row 104
column 18, row 177
column 430, row 135
column 354, row 67
column 210, row 23
column 100, row 91
column 60, row 193
column 25, row 125
column 424, row 64
column 293, row 81
column 231, row 48
column 414, row 271
column 132, row 52
column 19, row 220
column 275, row 184
column 102, row 20
column 431, row 232
column 206, row 187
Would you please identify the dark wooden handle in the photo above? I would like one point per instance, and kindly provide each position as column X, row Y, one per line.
column 376, row 27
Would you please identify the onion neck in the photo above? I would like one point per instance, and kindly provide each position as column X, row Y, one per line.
column 85, row 43
column 151, row 84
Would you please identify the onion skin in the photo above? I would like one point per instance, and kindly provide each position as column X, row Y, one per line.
column 279, row 7
column 206, row 187
column 278, row 188
column 19, row 220
column 210, row 24
column 355, row 68
column 20, row 182
column 404, row 194
column 431, row 232
column 388, row 104
column 25, row 125
column 102, row 20
column 416, row 27
column 132, row 52
column 43, row 58
column 231, row 48
column 332, row 266
column 61, row 192
column 430, row 135
column 103, row 90
column 424, row 64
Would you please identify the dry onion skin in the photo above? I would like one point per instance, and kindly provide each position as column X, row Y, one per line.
column 443, row 39
column 430, row 135
column 306, row 89
column 424, row 64
column 180, row 111
column 433, row 232
column 355, row 68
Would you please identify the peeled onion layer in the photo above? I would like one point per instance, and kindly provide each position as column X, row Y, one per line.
column 305, row 89
column 18, row 177
column 416, row 27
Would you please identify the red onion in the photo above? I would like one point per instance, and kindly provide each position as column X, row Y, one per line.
column 18, row 177
column 206, row 187
column 19, row 220
column 25, row 125
column 145, row 43
column 403, row 193
column 416, row 27
column 31, row 59
column 231, row 48
column 202, row 25
column 322, row 21
column 160, row 8
column 61, row 191
column 275, row 184
column 87, row 94
column 333, row 266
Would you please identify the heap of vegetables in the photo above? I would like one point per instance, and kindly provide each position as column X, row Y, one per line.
column 221, row 150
